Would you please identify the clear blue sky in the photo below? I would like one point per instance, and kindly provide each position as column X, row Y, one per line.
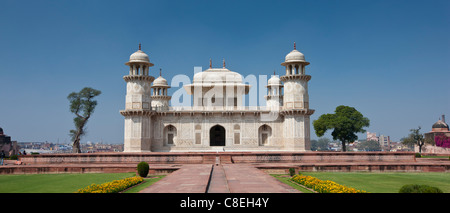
column 388, row 59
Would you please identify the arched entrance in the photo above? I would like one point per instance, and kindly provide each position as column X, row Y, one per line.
column 217, row 136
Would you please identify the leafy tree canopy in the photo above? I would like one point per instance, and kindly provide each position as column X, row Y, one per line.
column 320, row 145
column 345, row 123
column 370, row 145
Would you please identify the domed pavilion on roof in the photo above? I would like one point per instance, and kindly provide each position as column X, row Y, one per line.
column 440, row 133
column 218, row 119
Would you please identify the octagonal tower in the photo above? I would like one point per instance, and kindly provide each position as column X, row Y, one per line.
column 137, row 113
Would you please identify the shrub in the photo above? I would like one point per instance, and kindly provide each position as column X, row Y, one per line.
column 14, row 157
column 143, row 168
column 291, row 172
column 418, row 155
column 415, row 188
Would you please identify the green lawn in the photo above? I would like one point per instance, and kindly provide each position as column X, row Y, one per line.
column 57, row 183
column 368, row 181
column 285, row 179
column 385, row 182
column 148, row 181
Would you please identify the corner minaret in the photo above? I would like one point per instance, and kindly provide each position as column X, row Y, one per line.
column 160, row 98
column 137, row 113
column 295, row 81
column 296, row 102
column 274, row 95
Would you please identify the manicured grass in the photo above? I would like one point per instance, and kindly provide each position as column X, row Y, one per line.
column 55, row 183
column 431, row 156
column 147, row 182
column 285, row 179
column 385, row 182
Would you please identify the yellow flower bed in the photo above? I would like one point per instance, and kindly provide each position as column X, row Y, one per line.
column 112, row 187
column 322, row 186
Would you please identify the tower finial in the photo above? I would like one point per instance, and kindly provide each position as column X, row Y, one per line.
column 210, row 63
column 295, row 46
column 273, row 72
column 223, row 63
column 139, row 46
column 159, row 71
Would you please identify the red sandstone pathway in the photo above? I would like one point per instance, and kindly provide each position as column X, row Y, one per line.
column 243, row 178
column 218, row 183
column 191, row 178
column 227, row 178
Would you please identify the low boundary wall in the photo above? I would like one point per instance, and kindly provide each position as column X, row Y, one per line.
column 84, row 168
column 271, row 162
column 223, row 157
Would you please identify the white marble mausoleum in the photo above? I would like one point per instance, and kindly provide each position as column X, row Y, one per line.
column 218, row 120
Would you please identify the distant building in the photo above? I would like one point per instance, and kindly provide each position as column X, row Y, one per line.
column 8, row 146
column 440, row 133
column 399, row 146
column 48, row 147
column 385, row 141
column 371, row 136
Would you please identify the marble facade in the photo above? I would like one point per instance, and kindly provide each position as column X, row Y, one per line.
column 217, row 120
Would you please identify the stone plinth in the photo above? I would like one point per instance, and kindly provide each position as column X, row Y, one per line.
column 167, row 162
column 224, row 157
column 322, row 157
column 114, row 158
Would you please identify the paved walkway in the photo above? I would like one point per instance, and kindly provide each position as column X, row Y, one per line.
column 190, row 178
column 226, row 178
column 218, row 183
column 248, row 179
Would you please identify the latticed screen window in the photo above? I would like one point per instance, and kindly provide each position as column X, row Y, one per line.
column 237, row 138
column 264, row 137
column 198, row 138
column 237, row 134
column 264, row 133
column 198, row 134
column 170, row 134
column 170, row 138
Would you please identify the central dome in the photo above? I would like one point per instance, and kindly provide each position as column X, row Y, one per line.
column 217, row 75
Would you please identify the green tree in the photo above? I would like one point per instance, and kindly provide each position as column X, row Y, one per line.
column 370, row 145
column 82, row 105
column 345, row 122
column 320, row 145
column 415, row 138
